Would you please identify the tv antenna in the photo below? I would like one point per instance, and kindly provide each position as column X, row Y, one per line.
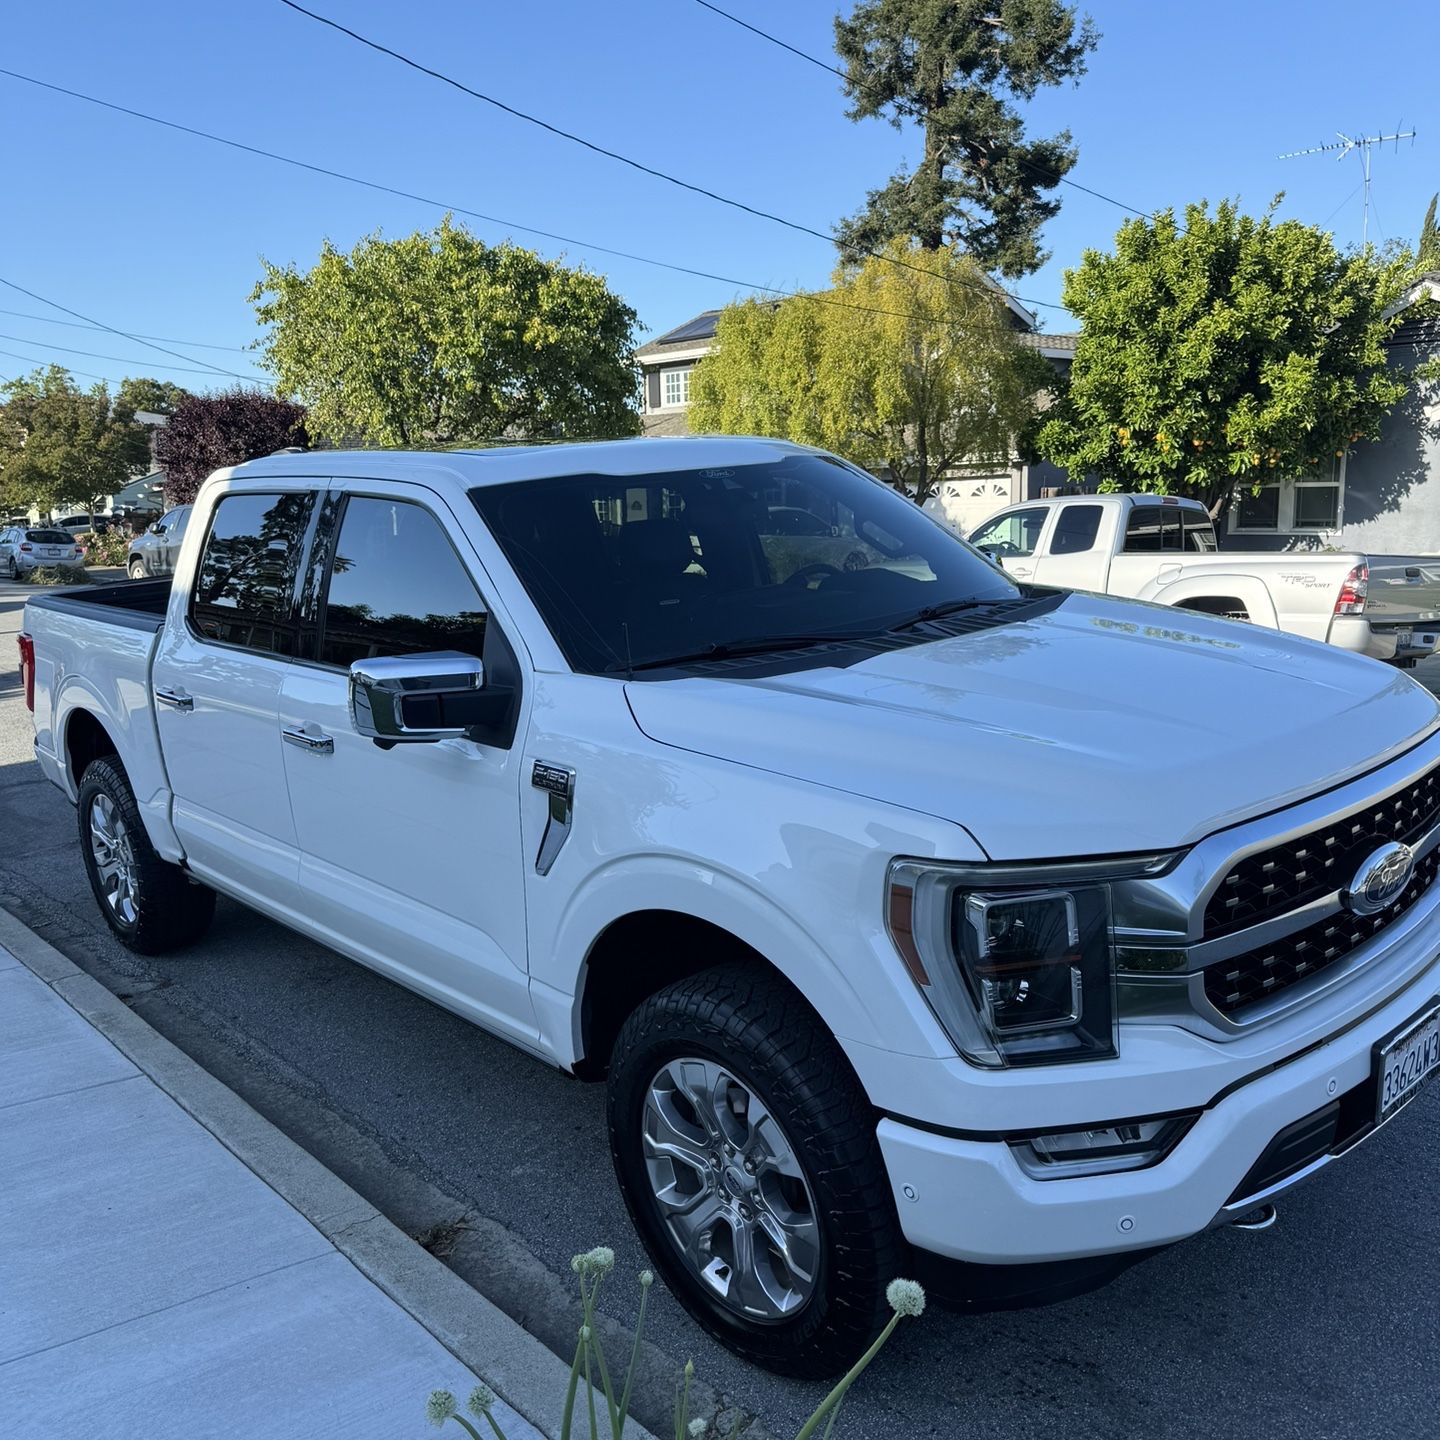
column 1364, row 144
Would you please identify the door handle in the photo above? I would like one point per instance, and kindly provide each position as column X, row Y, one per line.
column 315, row 744
column 1021, row 570
column 176, row 699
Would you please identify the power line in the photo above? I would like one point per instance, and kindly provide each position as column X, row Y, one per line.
column 119, row 359
column 615, row 155
column 124, row 334
column 76, row 325
column 87, row 374
column 776, row 290
column 906, row 109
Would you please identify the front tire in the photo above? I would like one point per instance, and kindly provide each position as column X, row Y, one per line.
column 747, row 1154
column 136, row 569
column 150, row 905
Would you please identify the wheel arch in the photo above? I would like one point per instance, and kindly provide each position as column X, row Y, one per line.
column 1203, row 592
column 85, row 739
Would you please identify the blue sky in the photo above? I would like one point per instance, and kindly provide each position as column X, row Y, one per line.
column 155, row 232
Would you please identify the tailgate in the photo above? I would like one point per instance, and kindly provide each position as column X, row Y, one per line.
column 1404, row 590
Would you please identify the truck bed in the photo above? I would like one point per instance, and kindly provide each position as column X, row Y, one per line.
column 1404, row 588
column 135, row 604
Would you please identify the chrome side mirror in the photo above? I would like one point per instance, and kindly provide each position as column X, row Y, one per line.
column 412, row 698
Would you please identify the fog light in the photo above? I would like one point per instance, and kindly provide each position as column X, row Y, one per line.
column 1125, row 1145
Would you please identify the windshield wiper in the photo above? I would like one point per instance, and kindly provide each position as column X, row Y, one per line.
column 934, row 612
column 734, row 649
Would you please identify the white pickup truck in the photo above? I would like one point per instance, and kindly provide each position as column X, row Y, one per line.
column 1162, row 549
column 918, row 921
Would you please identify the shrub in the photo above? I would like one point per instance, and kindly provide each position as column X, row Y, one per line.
column 111, row 548
column 605, row 1416
column 58, row 575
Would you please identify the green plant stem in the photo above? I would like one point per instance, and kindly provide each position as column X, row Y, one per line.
column 682, row 1406
column 611, row 1408
column 846, row 1381
column 466, row 1426
column 494, row 1425
column 568, row 1417
column 634, row 1362
column 590, row 1393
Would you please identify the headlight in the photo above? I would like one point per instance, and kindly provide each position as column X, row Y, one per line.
column 1015, row 961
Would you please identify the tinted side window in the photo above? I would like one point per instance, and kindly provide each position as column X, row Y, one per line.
column 244, row 588
column 1199, row 532
column 397, row 587
column 1075, row 529
column 1151, row 528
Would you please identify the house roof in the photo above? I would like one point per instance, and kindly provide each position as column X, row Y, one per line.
column 691, row 335
column 1059, row 346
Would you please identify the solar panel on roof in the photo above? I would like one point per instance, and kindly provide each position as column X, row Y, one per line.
column 702, row 327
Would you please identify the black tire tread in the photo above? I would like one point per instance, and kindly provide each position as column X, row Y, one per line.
column 747, row 1009
column 173, row 910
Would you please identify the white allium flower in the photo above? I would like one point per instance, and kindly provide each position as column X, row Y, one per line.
column 601, row 1259
column 647, row 1279
column 440, row 1407
column 697, row 1429
column 689, row 1369
column 585, row 1333
column 482, row 1397
column 577, row 1264
column 906, row 1297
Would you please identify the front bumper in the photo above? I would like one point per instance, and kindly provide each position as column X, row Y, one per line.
column 968, row 1199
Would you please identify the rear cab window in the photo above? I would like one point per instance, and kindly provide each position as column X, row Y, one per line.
column 244, row 586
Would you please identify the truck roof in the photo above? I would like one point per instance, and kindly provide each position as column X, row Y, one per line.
column 470, row 468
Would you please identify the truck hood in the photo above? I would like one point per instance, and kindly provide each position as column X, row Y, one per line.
column 1102, row 727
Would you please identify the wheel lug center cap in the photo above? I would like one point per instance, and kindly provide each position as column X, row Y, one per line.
column 737, row 1182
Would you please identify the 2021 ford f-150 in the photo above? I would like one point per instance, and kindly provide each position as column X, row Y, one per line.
column 917, row 919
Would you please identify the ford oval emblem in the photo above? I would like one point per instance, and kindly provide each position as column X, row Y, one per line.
column 1380, row 879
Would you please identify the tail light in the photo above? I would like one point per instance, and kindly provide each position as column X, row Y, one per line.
column 27, row 548
column 27, row 668
column 1354, row 591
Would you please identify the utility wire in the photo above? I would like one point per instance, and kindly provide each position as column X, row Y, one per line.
column 76, row 325
column 904, row 108
column 615, row 155
column 87, row 374
column 778, row 291
column 124, row 334
column 119, row 359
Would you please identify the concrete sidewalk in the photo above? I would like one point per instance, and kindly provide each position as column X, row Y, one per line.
column 171, row 1265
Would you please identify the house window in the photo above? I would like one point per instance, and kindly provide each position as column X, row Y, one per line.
column 1260, row 511
column 1317, row 505
column 677, row 386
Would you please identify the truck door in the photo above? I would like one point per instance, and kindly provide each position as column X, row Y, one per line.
column 410, row 856
column 1072, row 557
column 228, row 642
column 1012, row 538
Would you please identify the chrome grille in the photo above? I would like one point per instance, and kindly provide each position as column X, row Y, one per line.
column 1284, row 877
column 1234, row 985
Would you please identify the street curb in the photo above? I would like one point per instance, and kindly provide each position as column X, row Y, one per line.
column 527, row 1375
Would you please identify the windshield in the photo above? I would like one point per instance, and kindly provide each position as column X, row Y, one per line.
column 638, row 569
column 50, row 537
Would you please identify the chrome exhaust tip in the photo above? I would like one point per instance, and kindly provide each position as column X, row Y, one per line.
column 1262, row 1217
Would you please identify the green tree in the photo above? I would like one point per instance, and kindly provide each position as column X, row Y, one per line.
column 438, row 339
column 957, row 69
column 1224, row 354
column 921, row 370
column 63, row 445
column 1427, row 252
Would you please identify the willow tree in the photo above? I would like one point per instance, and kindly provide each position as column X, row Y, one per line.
column 915, row 369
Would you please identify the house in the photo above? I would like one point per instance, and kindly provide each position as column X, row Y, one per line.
column 1375, row 498
column 667, row 362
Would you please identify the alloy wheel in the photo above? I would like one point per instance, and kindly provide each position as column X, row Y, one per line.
column 732, row 1195
column 114, row 859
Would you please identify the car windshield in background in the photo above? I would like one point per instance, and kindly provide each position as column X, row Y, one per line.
column 49, row 537
column 641, row 569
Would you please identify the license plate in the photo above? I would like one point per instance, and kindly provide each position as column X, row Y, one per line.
column 1404, row 639
column 1405, row 1062
column 51, row 553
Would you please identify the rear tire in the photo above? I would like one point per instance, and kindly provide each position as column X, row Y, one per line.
column 786, row 1147
column 150, row 905
column 136, row 570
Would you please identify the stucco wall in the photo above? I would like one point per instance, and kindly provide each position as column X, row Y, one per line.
column 1392, row 485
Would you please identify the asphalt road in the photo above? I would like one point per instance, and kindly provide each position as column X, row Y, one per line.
column 1323, row 1326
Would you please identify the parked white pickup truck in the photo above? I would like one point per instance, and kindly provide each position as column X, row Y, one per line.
column 919, row 921
column 1163, row 549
